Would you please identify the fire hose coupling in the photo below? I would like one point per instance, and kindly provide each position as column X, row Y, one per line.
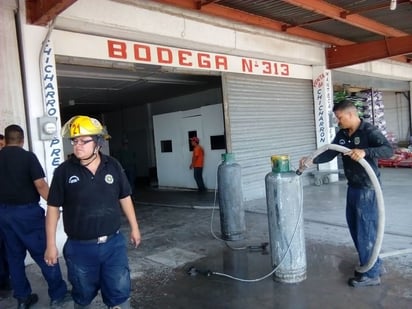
column 304, row 165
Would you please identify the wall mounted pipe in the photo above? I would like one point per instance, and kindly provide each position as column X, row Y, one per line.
column 379, row 196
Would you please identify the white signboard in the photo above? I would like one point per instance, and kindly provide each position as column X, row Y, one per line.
column 95, row 47
column 53, row 147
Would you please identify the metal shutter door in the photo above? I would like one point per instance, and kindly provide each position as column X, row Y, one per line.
column 267, row 116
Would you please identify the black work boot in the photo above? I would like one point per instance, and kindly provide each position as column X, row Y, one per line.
column 363, row 280
column 27, row 302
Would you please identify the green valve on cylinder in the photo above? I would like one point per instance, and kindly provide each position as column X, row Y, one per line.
column 228, row 157
column 280, row 163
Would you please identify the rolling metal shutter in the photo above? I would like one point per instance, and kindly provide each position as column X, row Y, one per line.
column 267, row 116
column 397, row 116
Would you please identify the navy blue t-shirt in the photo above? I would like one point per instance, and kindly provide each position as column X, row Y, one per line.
column 19, row 168
column 90, row 202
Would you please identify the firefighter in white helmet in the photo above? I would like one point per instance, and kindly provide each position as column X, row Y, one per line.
column 88, row 187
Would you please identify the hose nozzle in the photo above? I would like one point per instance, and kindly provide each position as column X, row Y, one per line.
column 304, row 164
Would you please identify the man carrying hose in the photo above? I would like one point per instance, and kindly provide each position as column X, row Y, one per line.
column 365, row 141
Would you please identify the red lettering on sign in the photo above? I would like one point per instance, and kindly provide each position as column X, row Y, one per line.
column 284, row 69
column 117, row 49
column 164, row 55
column 142, row 52
column 203, row 60
column 267, row 68
column 247, row 65
column 182, row 56
column 221, row 62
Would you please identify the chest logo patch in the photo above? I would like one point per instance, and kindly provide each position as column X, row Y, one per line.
column 74, row 179
column 356, row 140
column 108, row 179
column 342, row 142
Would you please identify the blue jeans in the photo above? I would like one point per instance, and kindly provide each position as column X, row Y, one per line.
column 92, row 267
column 23, row 229
column 362, row 219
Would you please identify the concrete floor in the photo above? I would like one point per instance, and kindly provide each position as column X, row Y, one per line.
column 180, row 230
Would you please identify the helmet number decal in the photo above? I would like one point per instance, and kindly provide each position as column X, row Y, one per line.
column 75, row 129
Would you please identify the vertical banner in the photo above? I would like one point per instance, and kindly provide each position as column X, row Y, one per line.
column 53, row 146
column 323, row 98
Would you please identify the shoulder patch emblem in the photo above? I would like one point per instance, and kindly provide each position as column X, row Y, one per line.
column 108, row 179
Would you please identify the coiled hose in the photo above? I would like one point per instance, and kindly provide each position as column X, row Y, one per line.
column 379, row 196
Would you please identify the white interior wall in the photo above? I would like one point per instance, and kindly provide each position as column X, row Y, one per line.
column 173, row 167
column 136, row 124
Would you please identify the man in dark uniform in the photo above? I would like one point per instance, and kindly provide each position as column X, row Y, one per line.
column 92, row 190
column 365, row 141
column 22, row 220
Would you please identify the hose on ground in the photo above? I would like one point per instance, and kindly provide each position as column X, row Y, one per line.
column 379, row 197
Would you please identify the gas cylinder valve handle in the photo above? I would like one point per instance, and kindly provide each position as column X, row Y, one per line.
column 379, row 198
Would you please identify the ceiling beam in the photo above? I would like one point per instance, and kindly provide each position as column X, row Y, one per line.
column 41, row 12
column 340, row 56
column 214, row 9
column 345, row 16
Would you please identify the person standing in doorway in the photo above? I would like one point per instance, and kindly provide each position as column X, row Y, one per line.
column 5, row 284
column 92, row 190
column 22, row 220
column 198, row 156
column 365, row 141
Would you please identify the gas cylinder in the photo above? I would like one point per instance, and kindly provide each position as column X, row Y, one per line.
column 284, row 198
column 232, row 214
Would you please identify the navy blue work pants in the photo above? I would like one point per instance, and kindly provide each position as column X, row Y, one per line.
column 92, row 267
column 362, row 219
column 23, row 229
column 4, row 266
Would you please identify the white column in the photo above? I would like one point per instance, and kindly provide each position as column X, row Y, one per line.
column 11, row 89
column 323, row 98
column 41, row 100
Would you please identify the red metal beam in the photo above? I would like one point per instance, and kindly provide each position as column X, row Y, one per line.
column 214, row 9
column 41, row 12
column 338, row 13
column 340, row 56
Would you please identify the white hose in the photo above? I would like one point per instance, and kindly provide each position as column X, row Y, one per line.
column 379, row 196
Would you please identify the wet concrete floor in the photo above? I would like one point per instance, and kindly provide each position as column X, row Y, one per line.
column 181, row 230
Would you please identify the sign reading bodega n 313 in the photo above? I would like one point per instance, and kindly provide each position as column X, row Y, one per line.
column 184, row 58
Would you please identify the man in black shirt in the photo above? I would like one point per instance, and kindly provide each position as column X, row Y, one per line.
column 22, row 220
column 365, row 141
column 92, row 190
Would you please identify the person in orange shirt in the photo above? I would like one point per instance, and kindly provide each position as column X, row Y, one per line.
column 197, row 163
